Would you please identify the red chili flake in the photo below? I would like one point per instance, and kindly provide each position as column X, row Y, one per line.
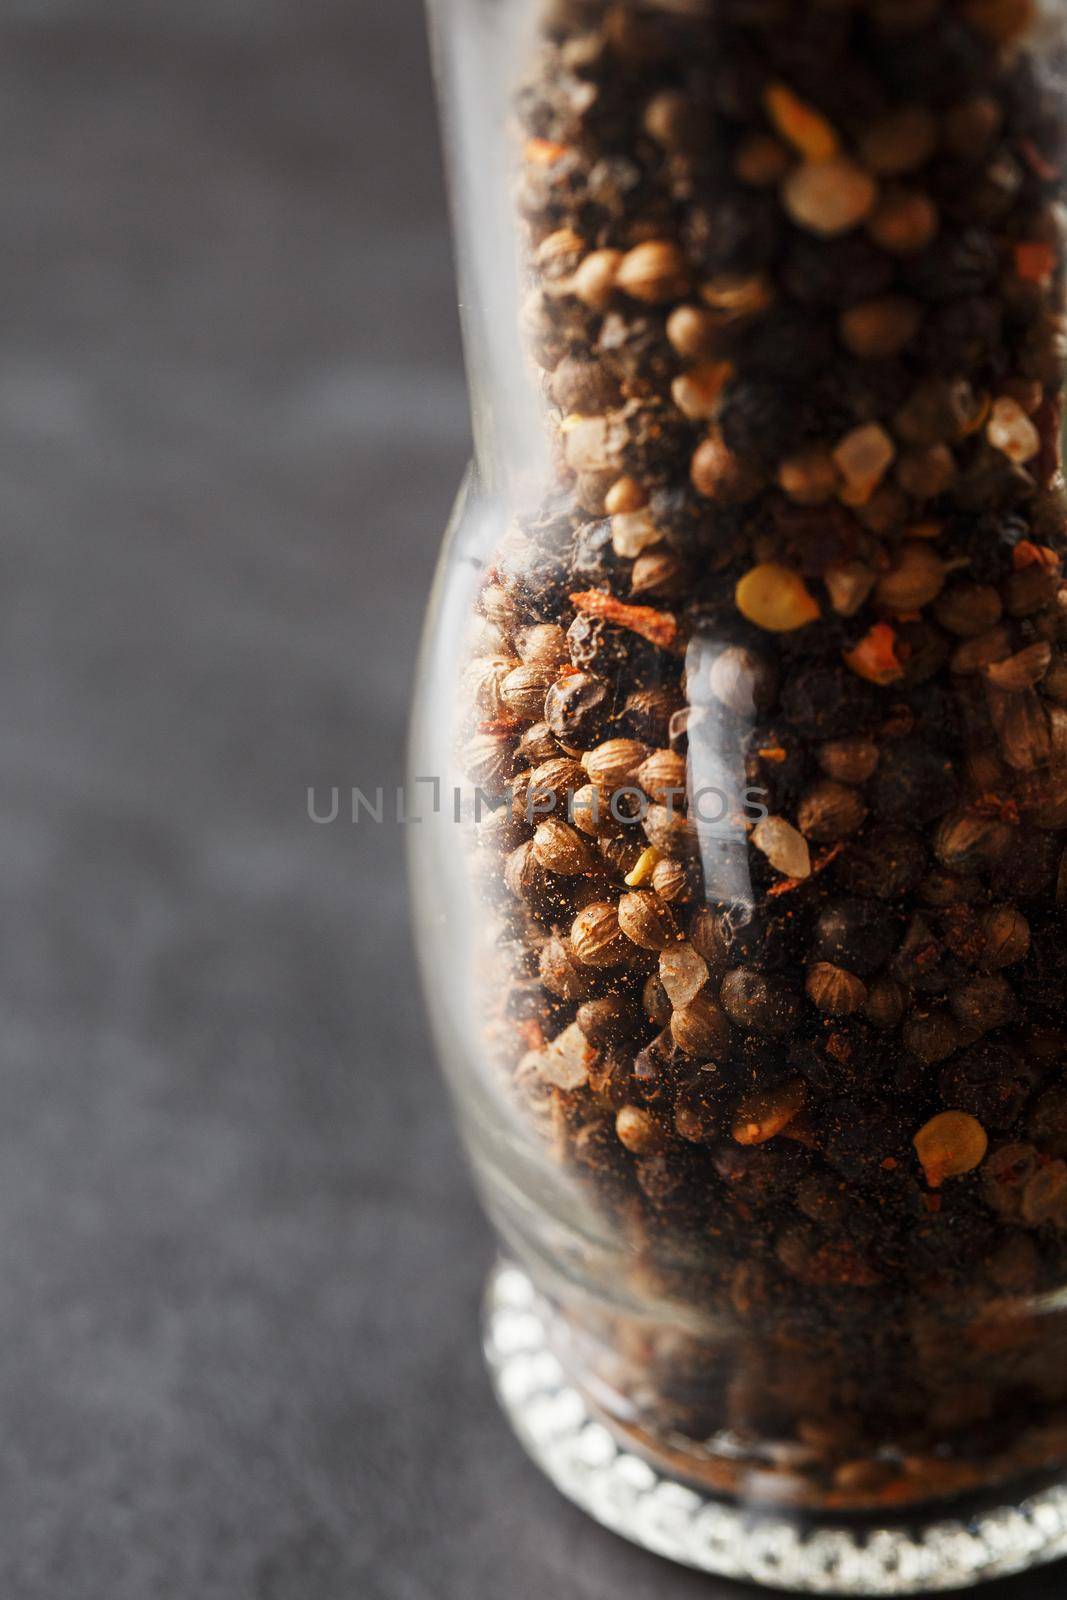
column 876, row 656
column 543, row 152
column 932, row 1202
column 993, row 805
column 1035, row 262
column 772, row 752
column 1027, row 554
column 890, row 1164
column 787, row 885
column 499, row 725
column 1039, row 165
column 532, row 1033
column 658, row 627
column 839, row 1046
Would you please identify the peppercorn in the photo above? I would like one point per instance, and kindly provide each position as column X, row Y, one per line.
column 647, row 714
column 646, row 920
column 858, row 1135
column 982, row 1003
column 931, row 1035
column 672, row 881
column 576, row 709
column 638, row 1130
column 701, row 1028
column 700, row 1105
column 718, row 473
column 833, row 272
column 857, row 934
column 584, row 386
column 606, row 1020
column 621, row 847
column 830, row 811
column 738, row 234
column 596, row 937
column 968, row 609
column 886, row 863
column 756, row 1002
column 758, row 420
column 829, row 197
column 900, row 141
column 1006, row 936
column 612, row 765
column 653, row 272
column 693, row 333
column 877, row 329
column 1046, row 1121
column 970, row 841
column 886, row 999
column 551, row 782
column 914, row 783
column 1044, row 1198
column 962, row 263
column 988, row 1080
column 834, row 989
column 849, row 760
column 904, row 222
column 489, row 762
column 917, row 573
column 826, row 702
column 753, row 1174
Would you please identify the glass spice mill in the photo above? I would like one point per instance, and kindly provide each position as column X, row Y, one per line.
column 747, row 666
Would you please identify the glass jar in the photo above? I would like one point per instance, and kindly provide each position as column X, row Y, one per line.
column 743, row 714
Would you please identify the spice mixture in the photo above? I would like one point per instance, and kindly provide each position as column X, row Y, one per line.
column 796, row 274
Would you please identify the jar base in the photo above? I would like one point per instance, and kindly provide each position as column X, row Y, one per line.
column 626, row 1493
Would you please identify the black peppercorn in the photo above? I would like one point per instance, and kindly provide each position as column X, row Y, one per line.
column 859, row 1135
column 755, row 1002
column 739, row 233
column 591, row 643
column 593, row 562
column 990, row 1081
column 836, row 272
column 760, row 419
column 885, row 862
column 824, row 702
column 915, row 782
column 859, row 935
column 958, row 264
column 577, row 709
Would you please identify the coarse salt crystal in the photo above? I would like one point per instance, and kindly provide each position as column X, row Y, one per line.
column 784, row 846
column 683, row 973
column 632, row 532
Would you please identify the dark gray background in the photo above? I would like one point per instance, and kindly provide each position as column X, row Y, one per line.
column 240, row 1262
